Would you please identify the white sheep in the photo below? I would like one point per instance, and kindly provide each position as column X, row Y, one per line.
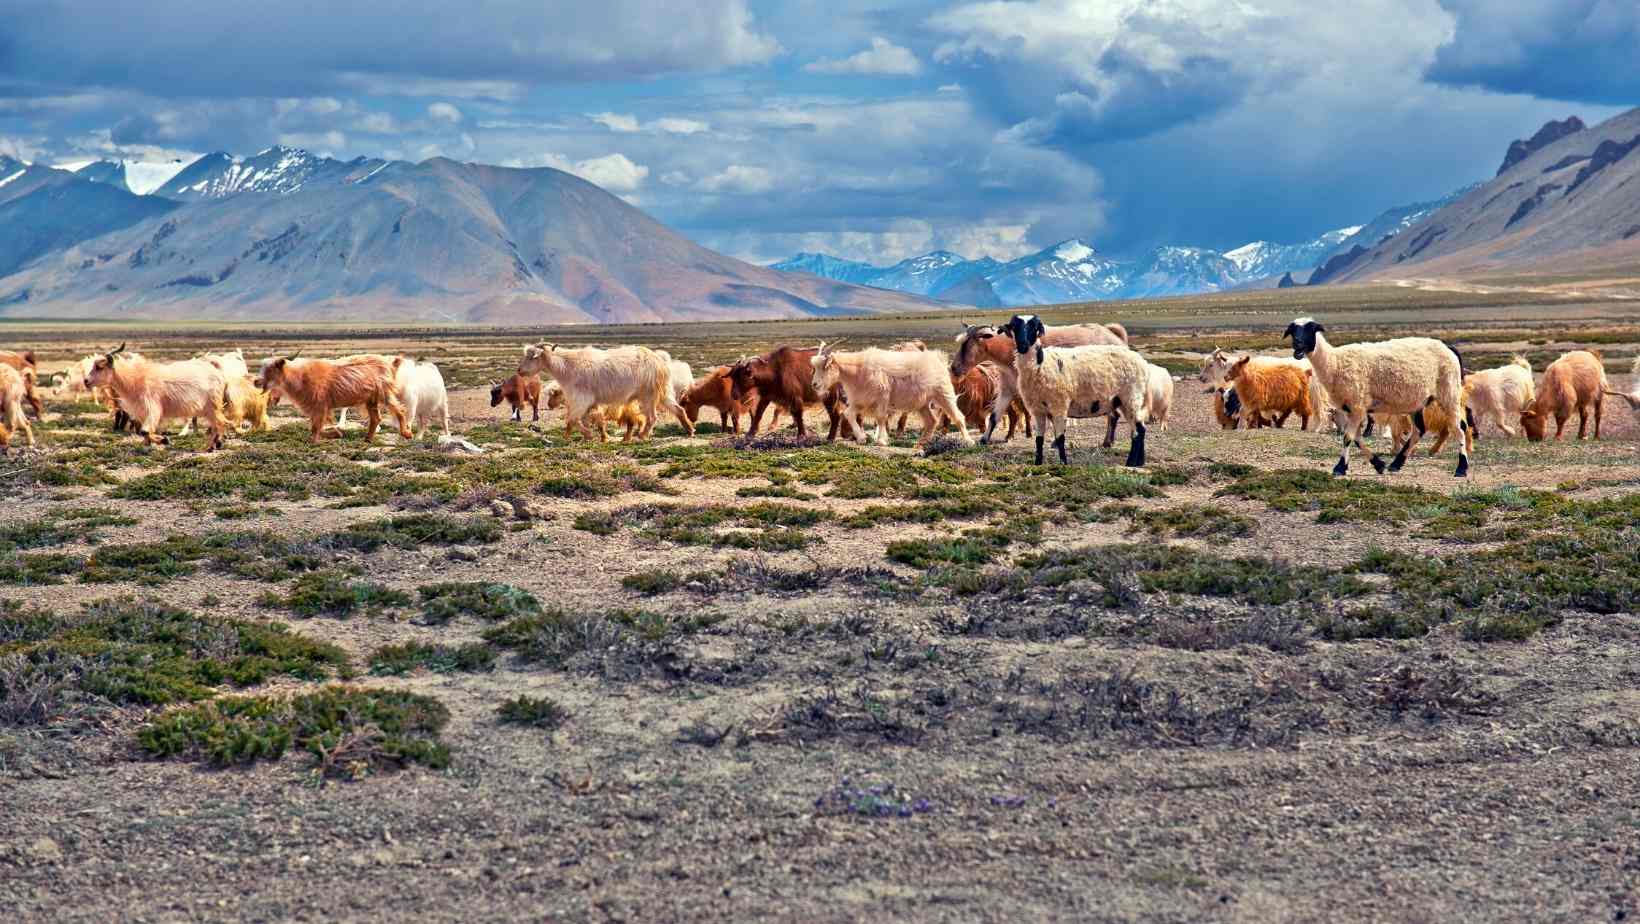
column 1401, row 376
column 1105, row 380
column 420, row 388
column 1161, row 395
column 1500, row 394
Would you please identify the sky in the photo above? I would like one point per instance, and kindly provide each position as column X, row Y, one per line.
column 868, row 129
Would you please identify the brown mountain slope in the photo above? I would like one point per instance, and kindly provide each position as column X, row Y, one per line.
column 1573, row 203
column 439, row 240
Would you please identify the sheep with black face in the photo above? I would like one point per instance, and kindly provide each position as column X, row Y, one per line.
column 1401, row 376
column 1094, row 381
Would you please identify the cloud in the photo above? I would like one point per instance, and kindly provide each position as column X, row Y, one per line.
column 323, row 143
column 738, row 178
column 1584, row 50
column 883, row 58
column 629, row 124
column 292, row 50
column 614, row 172
column 444, row 112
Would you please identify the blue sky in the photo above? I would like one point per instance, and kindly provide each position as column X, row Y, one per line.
column 872, row 130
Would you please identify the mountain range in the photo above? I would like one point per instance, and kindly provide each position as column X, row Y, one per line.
column 1565, row 205
column 289, row 235
column 286, row 234
column 1073, row 271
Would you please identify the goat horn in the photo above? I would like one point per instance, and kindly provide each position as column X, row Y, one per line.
column 292, row 357
column 119, row 349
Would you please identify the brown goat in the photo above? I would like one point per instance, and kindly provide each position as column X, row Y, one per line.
column 977, row 391
column 784, row 377
column 1575, row 381
column 321, row 386
column 519, row 390
column 24, row 362
column 716, row 390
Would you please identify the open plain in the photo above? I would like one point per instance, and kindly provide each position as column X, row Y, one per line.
column 695, row 678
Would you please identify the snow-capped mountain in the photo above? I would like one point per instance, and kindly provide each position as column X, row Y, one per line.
column 818, row 264
column 1069, row 271
column 276, row 170
column 1174, row 270
column 133, row 176
column 1263, row 258
column 932, row 273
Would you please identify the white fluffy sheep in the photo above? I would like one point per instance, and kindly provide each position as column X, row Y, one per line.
column 1401, row 376
column 1500, row 394
column 682, row 376
column 1161, row 395
column 1103, row 380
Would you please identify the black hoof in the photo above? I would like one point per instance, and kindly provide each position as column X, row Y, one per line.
column 1378, row 464
column 1340, row 470
column 1400, row 460
column 985, row 441
column 1463, row 468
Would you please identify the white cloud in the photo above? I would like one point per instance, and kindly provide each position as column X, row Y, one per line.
column 613, row 172
column 616, row 122
column 738, row 178
column 629, row 124
column 376, row 123
column 322, row 143
column 898, row 241
column 883, row 58
column 673, row 126
column 444, row 112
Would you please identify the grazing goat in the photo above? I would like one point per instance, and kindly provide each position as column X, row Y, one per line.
column 24, row 362
column 1500, row 395
column 591, row 378
column 420, row 388
column 320, row 386
column 716, row 390
column 1632, row 396
column 1268, row 386
column 1104, row 379
column 519, row 390
column 152, row 393
column 977, row 344
column 1402, row 376
column 246, row 406
column 880, row 382
column 784, row 377
column 1575, row 381
column 14, row 391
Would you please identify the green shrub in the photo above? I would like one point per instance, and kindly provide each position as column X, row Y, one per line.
column 490, row 601
column 330, row 593
column 349, row 731
column 474, row 657
column 533, row 711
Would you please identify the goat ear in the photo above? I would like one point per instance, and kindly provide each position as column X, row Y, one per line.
column 1286, row 334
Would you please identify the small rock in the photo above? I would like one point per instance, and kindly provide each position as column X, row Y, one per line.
column 45, row 850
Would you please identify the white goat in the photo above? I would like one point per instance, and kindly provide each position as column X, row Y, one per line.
column 682, row 376
column 1386, row 378
column 421, row 390
column 593, row 378
column 881, row 382
column 1105, row 380
column 1500, row 394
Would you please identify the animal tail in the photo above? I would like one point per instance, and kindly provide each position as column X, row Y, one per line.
column 1457, row 355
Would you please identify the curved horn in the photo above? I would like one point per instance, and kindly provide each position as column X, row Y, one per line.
column 293, row 356
column 119, row 349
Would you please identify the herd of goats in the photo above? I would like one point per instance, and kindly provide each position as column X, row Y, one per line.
column 1023, row 371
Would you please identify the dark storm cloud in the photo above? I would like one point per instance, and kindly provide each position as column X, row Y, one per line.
column 1586, row 50
column 305, row 47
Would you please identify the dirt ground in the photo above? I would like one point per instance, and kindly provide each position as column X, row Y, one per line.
column 1044, row 756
